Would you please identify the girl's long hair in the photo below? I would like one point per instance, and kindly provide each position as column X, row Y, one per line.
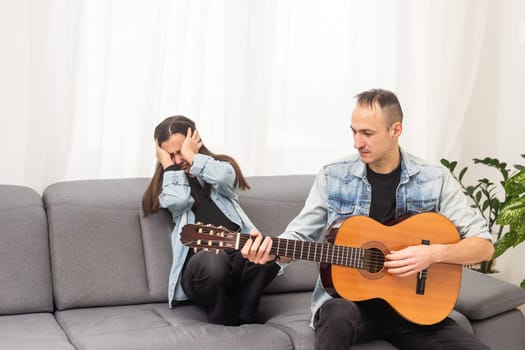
column 163, row 131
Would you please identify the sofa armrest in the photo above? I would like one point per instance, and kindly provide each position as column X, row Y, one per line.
column 483, row 296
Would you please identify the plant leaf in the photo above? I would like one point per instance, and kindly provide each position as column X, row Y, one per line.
column 513, row 212
column 515, row 185
column 462, row 173
column 450, row 165
column 503, row 244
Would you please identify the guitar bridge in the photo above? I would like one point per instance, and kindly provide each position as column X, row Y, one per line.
column 422, row 276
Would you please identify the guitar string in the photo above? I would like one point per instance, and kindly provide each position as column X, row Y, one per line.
column 374, row 259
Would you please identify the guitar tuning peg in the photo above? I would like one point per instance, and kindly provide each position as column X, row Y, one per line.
column 195, row 249
column 206, row 250
column 216, row 251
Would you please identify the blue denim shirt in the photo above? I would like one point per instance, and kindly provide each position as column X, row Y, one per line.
column 341, row 190
column 176, row 197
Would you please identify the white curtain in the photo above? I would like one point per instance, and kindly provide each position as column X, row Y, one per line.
column 270, row 83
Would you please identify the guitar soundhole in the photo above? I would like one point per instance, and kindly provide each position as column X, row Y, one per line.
column 373, row 260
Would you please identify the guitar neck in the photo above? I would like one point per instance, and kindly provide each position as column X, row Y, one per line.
column 314, row 251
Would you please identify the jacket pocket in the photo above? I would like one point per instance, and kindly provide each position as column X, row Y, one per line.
column 421, row 206
column 340, row 210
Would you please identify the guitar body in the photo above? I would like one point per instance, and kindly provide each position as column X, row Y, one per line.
column 442, row 284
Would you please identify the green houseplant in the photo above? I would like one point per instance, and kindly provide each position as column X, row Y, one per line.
column 504, row 212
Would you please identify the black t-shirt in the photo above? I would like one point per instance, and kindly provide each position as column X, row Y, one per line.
column 207, row 212
column 384, row 186
column 205, row 209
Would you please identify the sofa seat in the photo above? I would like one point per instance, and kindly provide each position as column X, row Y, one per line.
column 32, row 331
column 155, row 326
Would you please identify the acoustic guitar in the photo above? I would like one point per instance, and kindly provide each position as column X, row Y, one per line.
column 352, row 256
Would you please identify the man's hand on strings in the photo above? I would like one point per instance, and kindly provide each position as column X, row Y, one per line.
column 409, row 261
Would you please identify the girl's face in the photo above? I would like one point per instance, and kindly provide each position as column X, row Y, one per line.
column 173, row 146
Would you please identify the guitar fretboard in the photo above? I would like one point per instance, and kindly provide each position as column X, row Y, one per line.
column 359, row 258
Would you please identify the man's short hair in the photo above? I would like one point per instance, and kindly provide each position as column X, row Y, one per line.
column 387, row 100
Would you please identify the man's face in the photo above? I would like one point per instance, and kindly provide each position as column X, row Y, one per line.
column 376, row 142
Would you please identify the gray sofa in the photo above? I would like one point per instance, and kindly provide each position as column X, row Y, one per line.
column 80, row 268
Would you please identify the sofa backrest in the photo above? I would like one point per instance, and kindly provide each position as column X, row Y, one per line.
column 271, row 204
column 104, row 252
column 25, row 274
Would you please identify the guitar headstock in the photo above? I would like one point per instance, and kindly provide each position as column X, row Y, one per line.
column 200, row 236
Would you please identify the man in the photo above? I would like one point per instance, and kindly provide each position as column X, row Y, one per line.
column 383, row 182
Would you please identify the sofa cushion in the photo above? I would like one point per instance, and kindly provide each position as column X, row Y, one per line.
column 483, row 296
column 25, row 273
column 271, row 203
column 155, row 326
column 504, row 331
column 298, row 276
column 97, row 252
column 156, row 232
column 32, row 331
column 461, row 319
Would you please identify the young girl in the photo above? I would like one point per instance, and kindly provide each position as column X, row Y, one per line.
column 196, row 185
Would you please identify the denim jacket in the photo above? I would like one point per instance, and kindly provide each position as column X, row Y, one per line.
column 341, row 190
column 176, row 197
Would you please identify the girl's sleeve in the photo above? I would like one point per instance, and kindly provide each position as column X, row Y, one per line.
column 176, row 192
column 219, row 174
